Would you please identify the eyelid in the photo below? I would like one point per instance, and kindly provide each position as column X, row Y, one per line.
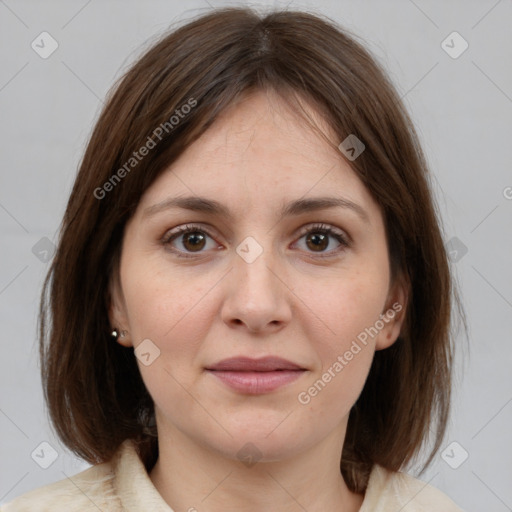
column 183, row 228
column 323, row 226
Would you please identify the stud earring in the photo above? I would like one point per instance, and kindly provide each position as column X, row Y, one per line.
column 116, row 334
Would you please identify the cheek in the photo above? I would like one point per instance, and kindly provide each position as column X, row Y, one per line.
column 159, row 302
column 344, row 311
column 172, row 311
column 342, row 307
column 176, row 317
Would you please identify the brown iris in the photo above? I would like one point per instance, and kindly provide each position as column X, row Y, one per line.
column 320, row 241
column 196, row 240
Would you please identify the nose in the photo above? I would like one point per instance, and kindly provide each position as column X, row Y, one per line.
column 257, row 297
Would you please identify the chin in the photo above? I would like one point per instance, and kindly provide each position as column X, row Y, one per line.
column 266, row 439
column 249, row 450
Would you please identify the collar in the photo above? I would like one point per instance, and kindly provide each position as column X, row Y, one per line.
column 133, row 484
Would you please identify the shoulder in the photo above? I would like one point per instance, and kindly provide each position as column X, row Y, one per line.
column 89, row 490
column 389, row 490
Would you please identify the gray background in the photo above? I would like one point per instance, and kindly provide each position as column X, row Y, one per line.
column 462, row 108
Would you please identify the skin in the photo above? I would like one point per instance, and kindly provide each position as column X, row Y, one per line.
column 289, row 302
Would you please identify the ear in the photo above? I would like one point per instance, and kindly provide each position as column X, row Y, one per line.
column 393, row 313
column 117, row 310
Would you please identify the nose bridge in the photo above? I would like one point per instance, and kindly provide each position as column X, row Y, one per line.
column 254, row 263
column 254, row 295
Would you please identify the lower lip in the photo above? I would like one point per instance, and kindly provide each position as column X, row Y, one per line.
column 256, row 383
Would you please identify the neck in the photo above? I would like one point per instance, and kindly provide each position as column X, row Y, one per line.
column 191, row 477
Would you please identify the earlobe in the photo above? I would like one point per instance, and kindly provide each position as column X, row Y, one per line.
column 120, row 337
column 117, row 315
column 393, row 315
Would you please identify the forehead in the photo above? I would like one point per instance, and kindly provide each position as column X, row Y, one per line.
column 261, row 153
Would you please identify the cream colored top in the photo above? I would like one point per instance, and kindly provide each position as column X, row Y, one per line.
column 123, row 485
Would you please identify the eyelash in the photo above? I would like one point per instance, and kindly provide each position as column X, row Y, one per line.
column 316, row 228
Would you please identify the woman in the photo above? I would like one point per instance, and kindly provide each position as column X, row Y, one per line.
column 249, row 306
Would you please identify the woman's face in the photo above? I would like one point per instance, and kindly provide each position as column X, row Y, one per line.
column 257, row 276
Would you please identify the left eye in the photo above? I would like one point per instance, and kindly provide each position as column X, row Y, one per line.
column 318, row 238
column 193, row 239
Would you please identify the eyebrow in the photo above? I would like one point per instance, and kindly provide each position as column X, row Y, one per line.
column 213, row 207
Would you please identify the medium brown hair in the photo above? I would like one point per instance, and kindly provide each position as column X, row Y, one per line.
column 95, row 395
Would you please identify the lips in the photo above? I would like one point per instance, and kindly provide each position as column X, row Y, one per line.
column 255, row 376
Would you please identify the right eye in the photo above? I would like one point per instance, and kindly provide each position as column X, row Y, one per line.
column 193, row 239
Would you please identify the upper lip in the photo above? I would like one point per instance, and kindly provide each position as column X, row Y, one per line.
column 247, row 364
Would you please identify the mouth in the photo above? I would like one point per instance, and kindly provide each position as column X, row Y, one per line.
column 256, row 376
